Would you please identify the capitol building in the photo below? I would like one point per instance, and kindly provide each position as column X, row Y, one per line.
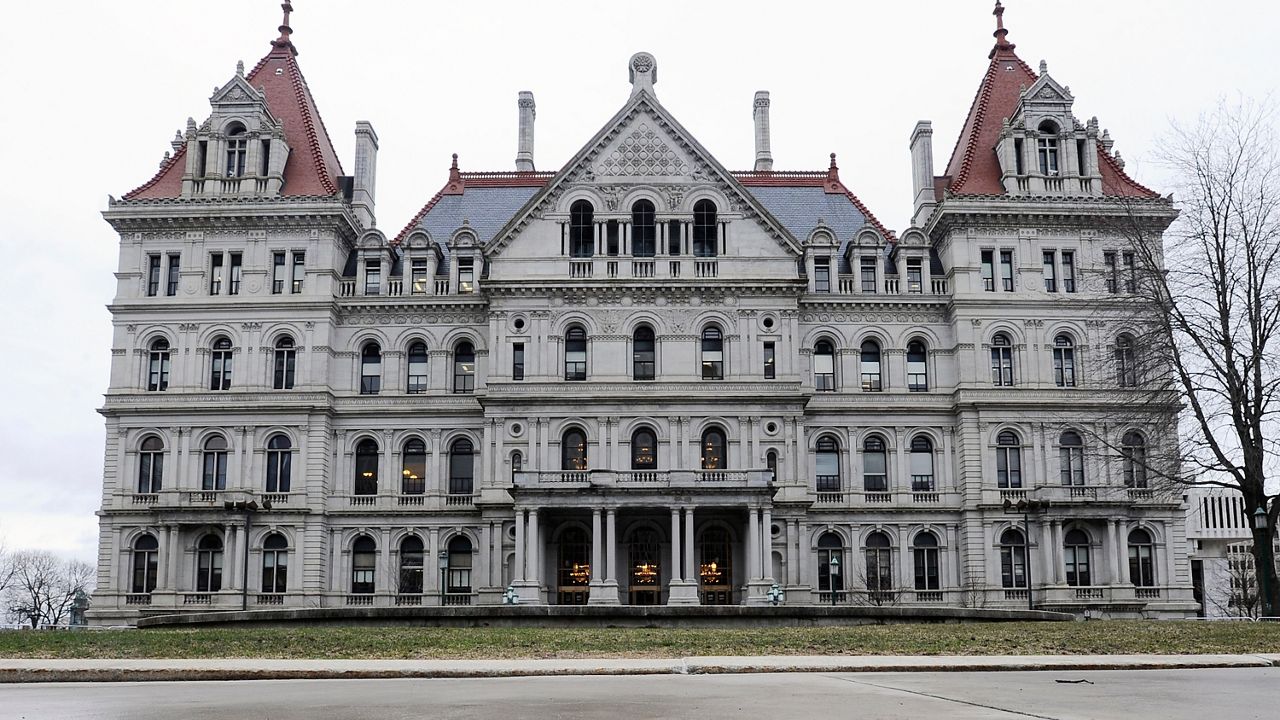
column 638, row 378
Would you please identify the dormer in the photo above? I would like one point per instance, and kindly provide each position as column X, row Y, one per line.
column 1043, row 149
column 822, row 257
column 865, row 256
column 910, row 259
column 376, row 265
column 467, row 261
column 240, row 151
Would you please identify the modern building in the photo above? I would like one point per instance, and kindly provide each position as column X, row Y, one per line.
column 639, row 378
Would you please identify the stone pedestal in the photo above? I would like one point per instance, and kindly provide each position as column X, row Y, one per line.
column 604, row 592
column 757, row 591
column 680, row 592
column 529, row 592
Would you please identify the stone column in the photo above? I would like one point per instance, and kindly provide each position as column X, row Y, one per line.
column 753, row 544
column 600, row 593
column 676, row 575
column 1048, row 572
column 163, row 571
column 1109, row 554
column 690, row 556
column 517, row 572
column 683, row 589
column 229, row 554
column 766, row 544
column 793, row 532
column 597, row 556
column 533, row 553
column 1122, row 554
column 611, row 551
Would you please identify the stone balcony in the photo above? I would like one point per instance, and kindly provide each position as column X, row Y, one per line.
column 885, row 499
column 1078, row 495
column 643, row 487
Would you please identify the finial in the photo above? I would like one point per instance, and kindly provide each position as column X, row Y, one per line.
column 455, row 185
column 454, row 167
column 833, row 162
column 239, row 68
column 642, row 70
column 1044, row 67
column 1001, row 33
column 285, row 31
column 833, row 176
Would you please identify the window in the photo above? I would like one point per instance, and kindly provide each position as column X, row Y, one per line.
column 417, row 362
column 643, row 354
column 153, row 275
column 364, row 560
column 158, row 365
column 1133, row 456
column 915, row 276
column 283, row 364
column 411, row 557
column 1047, row 149
column 770, row 361
column 611, row 238
column 644, row 231
column 458, row 572
column 822, row 275
column 575, row 354
column 1013, row 559
column 875, row 465
column 517, row 361
column 922, row 464
column 1071, row 458
column 1068, row 271
column 705, row 238
column 209, row 564
column 372, row 276
column 418, row 278
column 214, row 458
column 1076, row 557
column 1001, row 361
column 573, row 450
column 299, row 271
column 275, row 564
column 713, row 449
column 867, row 266
column 264, row 161
column 879, row 563
column 517, row 464
column 466, row 275
column 413, row 468
column 233, row 286
column 925, row 553
column 279, row 464
column 827, row 464
column 1142, row 570
column 830, row 548
column 673, row 237
column 582, row 240
column 870, row 361
column 988, row 271
column 174, row 268
column 1018, row 158
column 366, row 480
column 464, row 368
column 1126, row 363
column 370, row 369
column 771, row 464
column 1064, row 361
column 150, row 465
column 1006, row 270
column 917, row 367
column 644, row 450
column 220, row 365
column 277, row 273
column 1109, row 271
column 1008, row 460
column 1050, row 272
column 712, row 353
column 462, row 462
column 215, row 273
column 1130, row 274
column 824, row 366
column 236, row 145
column 145, row 550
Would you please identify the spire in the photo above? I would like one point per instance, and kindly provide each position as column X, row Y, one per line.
column 833, row 177
column 1001, row 34
column 455, row 185
column 285, row 31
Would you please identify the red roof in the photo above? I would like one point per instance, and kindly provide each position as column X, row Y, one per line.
column 313, row 166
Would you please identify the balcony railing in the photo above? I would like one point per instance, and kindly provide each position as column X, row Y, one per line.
column 408, row 600
column 1147, row 593
column 197, row 599
column 645, row 478
column 459, row 499
column 271, row 599
column 642, row 268
column 359, row 599
column 706, row 268
column 449, row 599
column 137, row 599
column 145, row 498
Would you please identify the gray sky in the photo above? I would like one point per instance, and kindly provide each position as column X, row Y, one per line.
column 94, row 91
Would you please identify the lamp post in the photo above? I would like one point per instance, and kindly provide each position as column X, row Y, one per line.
column 1025, row 508
column 442, row 562
column 774, row 594
column 248, row 507
column 834, row 567
column 1262, row 535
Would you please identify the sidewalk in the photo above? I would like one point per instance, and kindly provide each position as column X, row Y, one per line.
column 18, row 670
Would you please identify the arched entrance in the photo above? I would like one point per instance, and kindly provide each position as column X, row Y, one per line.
column 715, row 567
column 573, row 567
column 644, row 558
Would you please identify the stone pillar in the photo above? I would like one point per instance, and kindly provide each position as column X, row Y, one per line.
column 753, row 544
column 676, row 575
column 517, row 572
column 1048, row 573
column 766, row 544
column 690, row 556
column 162, row 582
column 230, row 552
column 1122, row 554
column 611, row 554
column 1109, row 554
column 599, row 593
column 683, row 589
column 533, row 551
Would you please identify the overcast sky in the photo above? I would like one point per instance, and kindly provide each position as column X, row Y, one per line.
column 93, row 92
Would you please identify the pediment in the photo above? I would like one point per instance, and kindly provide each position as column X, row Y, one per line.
column 237, row 91
column 1047, row 91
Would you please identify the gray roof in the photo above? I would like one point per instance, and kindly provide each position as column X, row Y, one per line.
column 800, row 208
column 486, row 209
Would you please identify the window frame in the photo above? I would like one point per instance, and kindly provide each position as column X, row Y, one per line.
column 711, row 343
column 824, row 371
column 464, row 381
column 1009, row 473
column 575, row 354
column 644, row 362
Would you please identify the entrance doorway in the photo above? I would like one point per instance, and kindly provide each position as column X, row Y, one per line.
column 573, row 568
column 644, row 560
column 715, row 571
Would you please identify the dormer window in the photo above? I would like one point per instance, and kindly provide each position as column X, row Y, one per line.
column 466, row 275
column 1047, row 149
column 705, row 237
column 581, row 229
column 236, row 151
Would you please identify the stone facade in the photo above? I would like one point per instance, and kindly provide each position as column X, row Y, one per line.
column 640, row 379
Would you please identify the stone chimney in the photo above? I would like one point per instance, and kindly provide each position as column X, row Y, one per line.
column 524, row 149
column 923, row 201
column 366, row 171
column 764, row 158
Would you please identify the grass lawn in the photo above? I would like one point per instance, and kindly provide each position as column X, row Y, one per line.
column 1097, row 637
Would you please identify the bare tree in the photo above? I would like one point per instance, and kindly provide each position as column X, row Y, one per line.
column 44, row 587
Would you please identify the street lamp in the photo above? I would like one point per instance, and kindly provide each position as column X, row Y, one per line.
column 510, row 597
column 1025, row 507
column 774, row 594
column 1261, row 527
column 248, row 507
column 442, row 562
column 834, row 567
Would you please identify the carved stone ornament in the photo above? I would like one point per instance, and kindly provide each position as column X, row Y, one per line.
column 643, row 152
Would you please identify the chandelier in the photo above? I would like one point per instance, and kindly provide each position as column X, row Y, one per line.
column 646, row 574
column 580, row 573
column 710, row 573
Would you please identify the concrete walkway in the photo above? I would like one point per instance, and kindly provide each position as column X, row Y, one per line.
column 20, row 670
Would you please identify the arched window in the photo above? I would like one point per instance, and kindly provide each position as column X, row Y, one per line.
column 413, row 468
column 275, row 564
column 712, row 353
column 1047, row 149
column 1142, row 569
column 517, row 464
column 643, row 354
column 284, row 364
column 827, row 463
column 417, row 360
column 573, row 567
column 771, row 463
column 464, row 368
column 279, row 464
column 1008, row 460
column 220, row 364
column 1071, row 458
column 715, row 571
column 879, row 563
column 158, row 365
column 370, row 369
column 237, row 145
column 872, row 381
column 644, row 231
column 458, row 575
column 875, row 465
column 215, row 464
column 644, row 449
column 462, row 462
column 705, row 238
column 831, row 548
column 1001, row 361
column 366, row 467
column 1013, row 559
column 209, row 564
column 582, row 234
column 364, row 561
column 411, row 557
column 1126, row 363
column 145, row 551
column 824, row 366
column 922, row 464
column 1133, row 455
column 150, row 465
column 1064, row 361
column 575, row 353
column 917, row 367
column 573, row 450
column 713, row 449
column 1076, row 557
column 924, row 551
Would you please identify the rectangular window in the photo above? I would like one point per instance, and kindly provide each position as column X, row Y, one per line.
column 915, row 275
column 988, row 271
column 215, row 273
column 1050, row 274
column 466, row 275
column 1130, row 274
column 175, row 265
column 770, row 362
column 264, row 158
column 1068, row 271
column 372, row 277
column 1017, row 157
column 611, row 237
column 517, row 361
column 153, row 275
column 277, row 273
column 868, row 268
column 1006, row 270
column 299, row 271
column 1109, row 270
column 233, row 283
column 822, row 275
column 673, row 237
column 418, row 276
